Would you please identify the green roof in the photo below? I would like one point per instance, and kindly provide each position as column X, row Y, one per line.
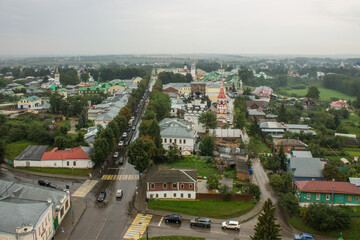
column 53, row 87
column 62, row 90
column 31, row 99
column 102, row 86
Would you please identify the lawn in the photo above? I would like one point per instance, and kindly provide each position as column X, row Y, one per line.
column 353, row 152
column 351, row 233
column 325, row 94
column 204, row 168
column 352, row 124
column 65, row 123
column 174, row 238
column 205, row 208
column 15, row 148
column 63, row 171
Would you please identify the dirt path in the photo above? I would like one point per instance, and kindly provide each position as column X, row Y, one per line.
column 72, row 124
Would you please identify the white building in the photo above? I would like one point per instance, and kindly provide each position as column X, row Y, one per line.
column 179, row 132
column 37, row 156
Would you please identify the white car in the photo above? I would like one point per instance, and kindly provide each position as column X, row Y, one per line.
column 116, row 154
column 119, row 193
column 231, row 225
column 124, row 134
column 121, row 143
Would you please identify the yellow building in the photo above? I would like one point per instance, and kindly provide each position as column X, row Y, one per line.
column 29, row 102
column 213, row 90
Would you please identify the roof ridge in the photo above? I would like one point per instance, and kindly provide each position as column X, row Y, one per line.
column 187, row 174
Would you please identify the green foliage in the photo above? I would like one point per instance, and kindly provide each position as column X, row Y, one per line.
column 252, row 189
column 266, row 228
column 2, row 149
column 208, row 119
column 255, row 130
column 289, row 202
column 345, row 84
column 313, row 92
column 325, row 218
column 68, row 76
column 160, row 104
column 331, row 172
column 225, row 192
column 246, row 75
column 173, row 154
column 101, row 150
column 141, row 152
column 239, row 118
column 208, row 66
column 170, row 77
column 115, row 71
column 62, row 142
column 206, row 146
column 151, row 128
column 213, row 182
column 281, row 183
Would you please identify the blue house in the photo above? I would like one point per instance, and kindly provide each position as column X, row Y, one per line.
column 304, row 168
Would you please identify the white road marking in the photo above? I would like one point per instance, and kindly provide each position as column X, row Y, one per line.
column 84, row 188
column 160, row 221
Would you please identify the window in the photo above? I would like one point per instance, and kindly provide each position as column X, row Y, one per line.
column 182, row 195
column 74, row 163
column 164, row 140
column 67, row 163
column 164, row 186
column 189, row 195
column 327, row 197
column 182, row 186
column 170, row 140
column 308, row 196
column 174, row 195
column 318, row 196
column 54, row 164
column 349, row 198
column 174, row 185
column 184, row 141
column 164, row 195
column 190, row 186
column 180, row 141
column 157, row 195
column 175, row 140
column 152, row 186
column 357, row 199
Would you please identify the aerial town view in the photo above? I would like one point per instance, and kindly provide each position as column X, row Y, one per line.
column 179, row 120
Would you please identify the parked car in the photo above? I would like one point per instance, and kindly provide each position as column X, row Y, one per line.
column 175, row 218
column 133, row 128
column 119, row 193
column 124, row 135
column 120, row 161
column 45, row 183
column 231, row 225
column 200, row 222
column 121, row 143
column 55, row 186
column 102, row 196
column 303, row 236
column 116, row 154
column 128, row 129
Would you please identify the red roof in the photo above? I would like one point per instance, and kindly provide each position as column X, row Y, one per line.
column 74, row 153
column 327, row 187
column 222, row 93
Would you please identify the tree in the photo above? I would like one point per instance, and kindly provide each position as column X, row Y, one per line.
column 324, row 218
column 277, row 183
column 141, row 152
column 2, row 150
column 56, row 101
column 62, row 142
column 245, row 75
column 266, row 228
column 255, row 130
column 173, row 154
column 209, row 120
column 225, row 192
column 282, row 113
column 289, row 202
column 213, row 182
column 149, row 115
column 161, row 104
column 331, row 172
column 282, row 158
column 82, row 120
column 84, row 77
column 206, row 146
column 151, row 128
column 313, row 92
column 101, row 150
column 239, row 118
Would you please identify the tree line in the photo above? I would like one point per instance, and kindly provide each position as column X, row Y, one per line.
column 110, row 72
column 170, row 77
column 106, row 139
column 343, row 83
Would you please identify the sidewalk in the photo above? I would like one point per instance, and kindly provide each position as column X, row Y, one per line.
column 4, row 165
column 78, row 206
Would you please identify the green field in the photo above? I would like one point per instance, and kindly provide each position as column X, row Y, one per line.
column 325, row 94
column 204, row 168
column 352, row 124
column 351, row 233
column 62, row 171
column 205, row 208
column 15, row 148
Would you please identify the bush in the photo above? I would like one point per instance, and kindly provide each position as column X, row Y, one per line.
column 324, row 218
column 290, row 203
column 252, row 189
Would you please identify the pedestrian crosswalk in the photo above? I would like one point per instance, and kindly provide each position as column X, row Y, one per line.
column 84, row 188
column 138, row 226
column 119, row 177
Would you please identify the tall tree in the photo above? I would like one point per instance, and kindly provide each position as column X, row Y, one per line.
column 209, row 120
column 206, row 146
column 255, row 130
column 331, row 172
column 266, row 228
column 239, row 118
column 282, row 113
column 141, row 152
column 313, row 92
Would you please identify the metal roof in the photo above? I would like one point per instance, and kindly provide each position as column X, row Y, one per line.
column 174, row 175
column 355, row 181
column 32, row 152
column 306, row 167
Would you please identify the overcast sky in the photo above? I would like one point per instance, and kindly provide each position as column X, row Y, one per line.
column 87, row 27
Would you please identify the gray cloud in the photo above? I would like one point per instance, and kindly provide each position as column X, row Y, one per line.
column 172, row 26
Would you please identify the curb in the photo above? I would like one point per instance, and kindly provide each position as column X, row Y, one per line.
column 4, row 165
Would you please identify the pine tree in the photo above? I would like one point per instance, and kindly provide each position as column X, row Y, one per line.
column 266, row 228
